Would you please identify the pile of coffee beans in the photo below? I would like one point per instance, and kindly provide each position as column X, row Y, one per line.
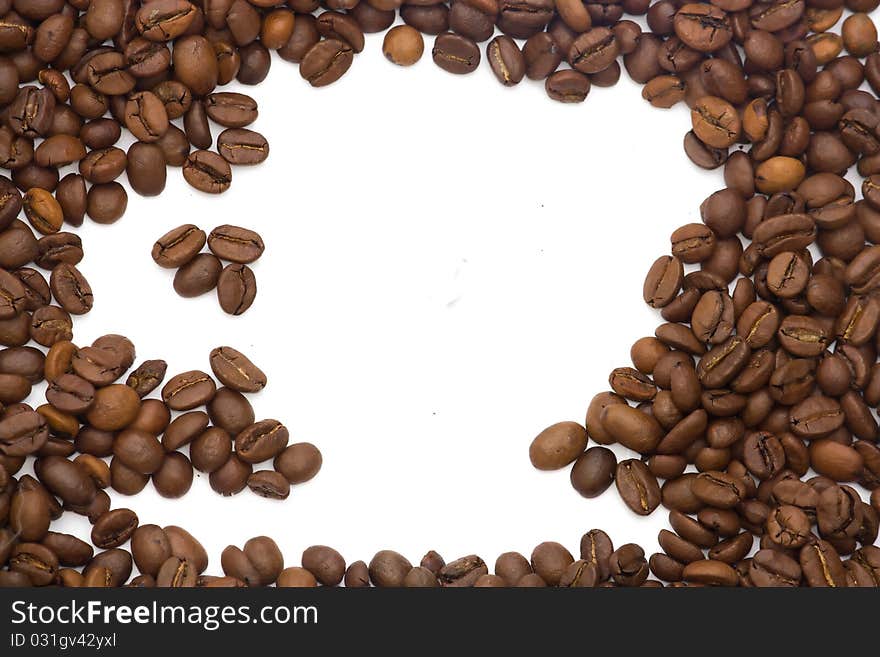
column 750, row 414
column 198, row 273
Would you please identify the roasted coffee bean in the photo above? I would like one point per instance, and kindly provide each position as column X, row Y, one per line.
column 594, row 51
column 593, row 471
column 299, row 462
column 235, row 244
column 715, row 122
column 198, row 276
column 71, row 289
column 326, row 62
column 702, row 27
column 455, row 53
column 207, row 172
column 231, row 110
column 269, row 484
column 188, row 390
column 242, row 147
column 568, row 86
column 236, row 371
column 506, row 60
column 236, row 288
column 261, row 441
column 114, row 528
column 146, row 169
column 179, row 246
column 388, row 569
column 637, row 486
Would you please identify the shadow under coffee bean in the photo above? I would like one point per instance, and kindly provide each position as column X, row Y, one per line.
column 751, row 408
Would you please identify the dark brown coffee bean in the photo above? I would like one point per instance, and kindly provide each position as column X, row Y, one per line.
column 455, row 53
column 594, row 51
column 236, row 288
column 637, row 487
column 506, row 60
column 236, row 244
column 198, row 276
column 236, row 371
column 299, row 463
column 593, row 471
column 326, row 62
column 269, row 484
column 207, row 172
column 179, row 246
column 188, row 390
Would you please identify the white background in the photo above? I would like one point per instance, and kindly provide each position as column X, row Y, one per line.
column 451, row 266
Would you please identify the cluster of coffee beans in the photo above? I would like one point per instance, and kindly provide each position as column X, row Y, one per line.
column 198, row 273
column 764, row 370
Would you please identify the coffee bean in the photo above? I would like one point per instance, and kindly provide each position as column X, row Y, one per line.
column 42, row 211
column 299, row 462
column 236, row 288
column 715, row 122
column 231, row 110
column 702, row 27
column 231, row 478
column 388, row 569
column 403, row 45
column 557, row 446
column 188, row 390
column 261, row 441
column 631, row 428
column 114, row 528
column 207, row 172
column 179, row 246
column 325, row 62
column 71, row 289
column 198, row 276
column 236, row 371
column 242, row 147
column 235, row 244
column 594, row 51
column 506, row 60
column 269, row 484
column 637, row 486
column 455, row 53
column 568, row 86
column 146, row 168
column 593, row 471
